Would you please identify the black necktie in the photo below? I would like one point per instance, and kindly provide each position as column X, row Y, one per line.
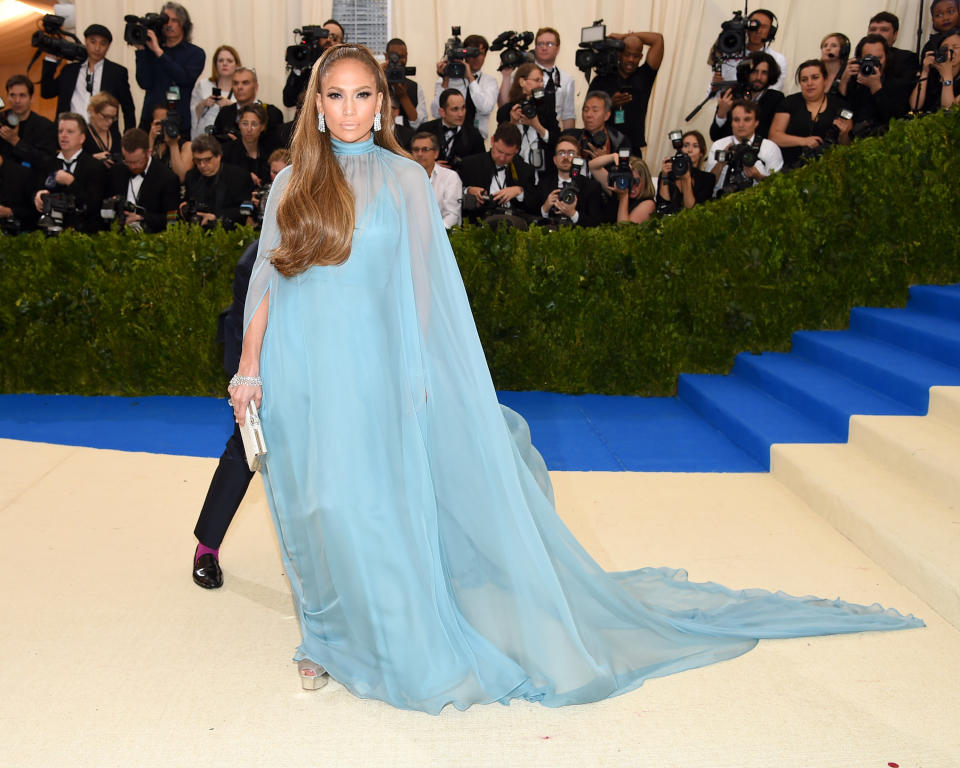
column 69, row 165
column 548, row 75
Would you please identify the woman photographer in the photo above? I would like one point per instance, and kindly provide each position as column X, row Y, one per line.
column 834, row 52
column 103, row 136
column 694, row 186
column 175, row 153
column 939, row 85
column 809, row 119
column 637, row 204
column 204, row 103
column 540, row 132
column 252, row 151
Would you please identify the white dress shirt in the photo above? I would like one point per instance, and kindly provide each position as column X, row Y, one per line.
column 81, row 96
column 770, row 158
column 449, row 192
column 483, row 92
column 135, row 183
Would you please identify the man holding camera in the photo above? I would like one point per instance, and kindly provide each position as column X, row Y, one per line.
column 170, row 69
column 26, row 137
column 631, row 85
column 874, row 98
column 214, row 189
column 298, row 78
column 478, row 89
column 762, row 28
column 499, row 178
column 78, row 81
column 447, row 187
column 456, row 138
column 763, row 71
column 599, row 145
column 745, row 158
column 404, row 92
column 577, row 200
column 143, row 183
column 245, row 89
column 901, row 65
column 16, row 208
column 75, row 178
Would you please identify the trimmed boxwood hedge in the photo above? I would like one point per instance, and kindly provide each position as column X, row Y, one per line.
column 610, row 310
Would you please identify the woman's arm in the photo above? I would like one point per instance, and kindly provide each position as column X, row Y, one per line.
column 181, row 158
column 241, row 394
column 780, row 137
column 641, row 212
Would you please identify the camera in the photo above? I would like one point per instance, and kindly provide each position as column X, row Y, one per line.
column 170, row 125
column 216, row 93
column 10, row 226
column 738, row 157
column 135, row 32
column 595, row 140
column 943, row 55
column 257, row 204
column 570, row 192
column 528, row 107
column 597, row 51
column 869, row 65
column 831, row 137
column 470, row 203
column 114, row 208
column 454, row 54
column 395, row 72
column 58, row 209
column 680, row 161
column 191, row 210
column 622, row 176
column 303, row 54
column 514, row 46
column 56, row 42
column 732, row 41
column 9, row 117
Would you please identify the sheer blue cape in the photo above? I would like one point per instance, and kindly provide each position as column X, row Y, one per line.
column 417, row 524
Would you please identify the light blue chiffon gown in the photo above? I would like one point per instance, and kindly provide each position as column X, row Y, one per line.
column 417, row 523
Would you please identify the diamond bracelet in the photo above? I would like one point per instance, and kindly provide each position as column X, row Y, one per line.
column 251, row 381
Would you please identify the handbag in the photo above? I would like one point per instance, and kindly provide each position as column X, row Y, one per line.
column 254, row 444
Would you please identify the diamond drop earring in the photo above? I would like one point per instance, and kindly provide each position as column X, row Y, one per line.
column 377, row 123
column 321, row 124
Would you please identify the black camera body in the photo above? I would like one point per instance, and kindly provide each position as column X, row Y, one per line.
column 396, row 72
column 135, row 32
column 943, row 55
column 595, row 140
column 469, row 203
column 570, row 192
column 454, row 54
column 256, row 206
column 732, row 40
column 528, row 107
column 597, row 51
column 114, row 208
column 303, row 54
column 514, row 46
column 191, row 210
column 680, row 162
column 170, row 126
column 869, row 65
column 621, row 177
column 58, row 209
column 10, row 226
column 56, row 42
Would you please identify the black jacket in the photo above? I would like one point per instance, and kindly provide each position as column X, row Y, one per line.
column 590, row 201
column 88, row 187
column 115, row 81
column 159, row 193
column 468, row 141
column 478, row 170
column 768, row 104
column 872, row 112
column 36, row 148
column 227, row 121
column 179, row 65
column 16, row 192
column 222, row 193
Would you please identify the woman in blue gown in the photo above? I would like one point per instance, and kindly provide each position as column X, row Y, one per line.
column 417, row 524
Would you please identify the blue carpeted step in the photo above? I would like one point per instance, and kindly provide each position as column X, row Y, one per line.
column 819, row 393
column 886, row 368
column 748, row 415
column 943, row 300
column 929, row 335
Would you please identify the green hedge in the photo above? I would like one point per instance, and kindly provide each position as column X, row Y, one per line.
column 610, row 310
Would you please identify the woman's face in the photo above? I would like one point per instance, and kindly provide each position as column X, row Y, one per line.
column 637, row 185
column 812, row 83
column 104, row 119
column 348, row 100
column 691, row 148
column 226, row 64
column 532, row 81
column 830, row 49
column 250, row 128
column 952, row 43
column 945, row 16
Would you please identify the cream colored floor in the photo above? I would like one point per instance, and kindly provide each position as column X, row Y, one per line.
column 112, row 657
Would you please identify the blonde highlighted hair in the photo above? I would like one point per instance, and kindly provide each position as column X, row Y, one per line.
column 316, row 211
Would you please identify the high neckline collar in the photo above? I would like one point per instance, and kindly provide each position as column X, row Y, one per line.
column 352, row 147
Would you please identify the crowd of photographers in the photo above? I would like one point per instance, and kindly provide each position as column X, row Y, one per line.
column 207, row 146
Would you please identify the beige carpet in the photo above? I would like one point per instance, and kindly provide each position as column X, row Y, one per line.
column 112, row 657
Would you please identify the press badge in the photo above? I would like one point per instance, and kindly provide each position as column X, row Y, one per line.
column 619, row 117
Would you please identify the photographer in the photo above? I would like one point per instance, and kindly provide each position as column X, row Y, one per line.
column 447, row 187
column 26, row 137
column 685, row 190
column 251, row 152
column 456, row 138
column 75, row 173
column 499, row 179
column 630, row 87
column 901, row 65
column 212, row 93
column 599, row 145
column 586, row 208
column 945, row 16
column 214, row 189
column 17, row 213
column 406, row 94
column 298, row 77
column 246, row 86
column 940, row 84
column 77, row 82
column 636, row 204
column 534, row 115
column 874, row 98
column 748, row 157
column 560, row 84
column 175, row 152
column 809, row 121
column 763, row 71
column 139, row 181
column 762, row 31
column 478, row 89
column 103, row 136
column 176, row 63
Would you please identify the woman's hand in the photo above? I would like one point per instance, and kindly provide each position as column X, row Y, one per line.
column 844, row 126
column 240, row 397
column 516, row 116
column 812, row 142
column 927, row 63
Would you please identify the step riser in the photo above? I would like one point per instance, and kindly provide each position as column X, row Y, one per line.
column 936, row 347
column 935, row 302
column 926, row 576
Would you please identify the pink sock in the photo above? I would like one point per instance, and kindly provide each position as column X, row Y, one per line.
column 202, row 549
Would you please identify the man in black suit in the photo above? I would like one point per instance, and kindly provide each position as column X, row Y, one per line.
column 145, row 183
column 218, row 187
column 875, row 98
column 902, row 65
column 499, row 179
column 587, row 209
column 406, row 94
column 16, row 208
column 764, row 71
column 245, row 88
column 457, row 139
column 26, row 137
column 78, row 81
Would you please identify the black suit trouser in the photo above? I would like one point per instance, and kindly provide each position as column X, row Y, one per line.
column 226, row 491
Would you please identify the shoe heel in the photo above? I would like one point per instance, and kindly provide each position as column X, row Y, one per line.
column 312, row 676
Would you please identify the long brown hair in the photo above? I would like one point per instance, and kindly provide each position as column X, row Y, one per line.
column 516, row 90
column 316, row 211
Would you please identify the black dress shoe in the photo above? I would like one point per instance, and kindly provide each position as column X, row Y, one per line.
column 206, row 572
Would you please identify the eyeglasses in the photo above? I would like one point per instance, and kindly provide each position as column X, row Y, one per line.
column 546, row 44
column 566, row 153
column 249, row 124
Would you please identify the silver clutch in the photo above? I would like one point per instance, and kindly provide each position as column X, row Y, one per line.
column 254, row 444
